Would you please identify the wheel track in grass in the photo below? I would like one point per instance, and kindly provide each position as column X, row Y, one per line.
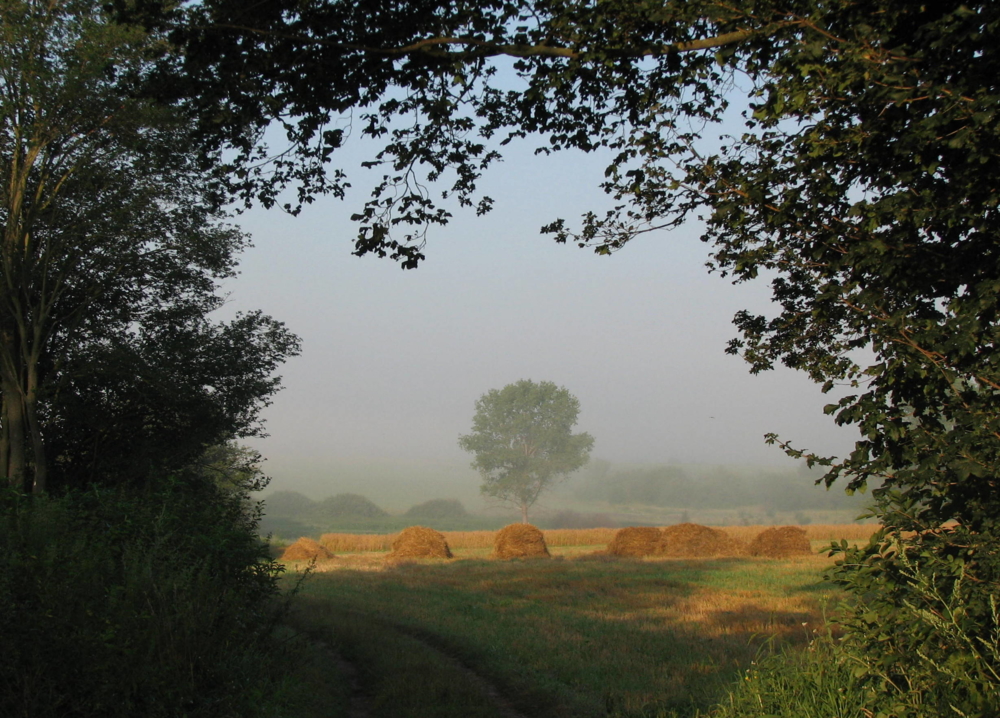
column 361, row 703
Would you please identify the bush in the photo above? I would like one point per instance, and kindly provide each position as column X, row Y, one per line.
column 924, row 628
column 287, row 504
column 155, row 603
column 438, row 509
column 346, row 506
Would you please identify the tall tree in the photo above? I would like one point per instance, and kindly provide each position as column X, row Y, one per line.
column 113, row 240
column 523, row 443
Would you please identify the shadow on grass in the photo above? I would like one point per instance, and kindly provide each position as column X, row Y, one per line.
column 590, row 635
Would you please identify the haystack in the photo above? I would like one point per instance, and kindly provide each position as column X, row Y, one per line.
column 694, row 540
column 635, row 541
column 305, row 549
column 420, row 542
column 519, row 541
column 781, row 542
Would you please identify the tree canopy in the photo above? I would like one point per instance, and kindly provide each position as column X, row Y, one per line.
column 114, row 240
column 523, row 443
column 859, row 176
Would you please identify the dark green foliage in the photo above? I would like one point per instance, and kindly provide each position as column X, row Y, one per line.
column 924, row 630
column 352, row 506
column 118, row 603
column 438, row 509
column 135, row 405
column 112, row 369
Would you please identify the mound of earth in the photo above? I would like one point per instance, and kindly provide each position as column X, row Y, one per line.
column 636, row 541
column 305, row 549
column 694, row 540
column 781, row 542
column 438, row 509
column 519, row 541
column 420, row 542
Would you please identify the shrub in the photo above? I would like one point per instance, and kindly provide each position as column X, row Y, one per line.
column 287, row 504
column 153, row 603
column 923, row 630
column 346, row 506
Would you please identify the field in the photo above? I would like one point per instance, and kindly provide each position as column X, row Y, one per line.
column 581, row 634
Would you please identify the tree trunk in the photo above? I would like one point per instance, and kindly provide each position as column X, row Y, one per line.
column 524, row 513
column 13, row 414
column 40, row 468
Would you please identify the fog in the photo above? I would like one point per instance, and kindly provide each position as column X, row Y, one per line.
column 394, row 360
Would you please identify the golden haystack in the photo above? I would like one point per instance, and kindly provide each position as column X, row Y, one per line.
column 694, row 540
column 305, row 549
column 519, row 541
column 635, row 541
column 780, row 542
column 420, row 542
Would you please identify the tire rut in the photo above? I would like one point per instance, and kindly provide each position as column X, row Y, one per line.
column 360, row 704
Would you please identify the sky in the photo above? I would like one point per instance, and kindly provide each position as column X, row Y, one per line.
column 393, row 360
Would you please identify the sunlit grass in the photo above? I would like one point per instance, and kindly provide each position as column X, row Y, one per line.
column 584, row 635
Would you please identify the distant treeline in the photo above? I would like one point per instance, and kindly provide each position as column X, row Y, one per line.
column 710, row 488
column 289, row 514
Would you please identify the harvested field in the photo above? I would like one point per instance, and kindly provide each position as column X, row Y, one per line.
column 519, row 541
column 420, row 542
column 463, row 540
column 694, row 540
column 781, row 542
column 579, row 637
column 636, row 541
column 352, row 543
column 814, row 532
column 305, row 549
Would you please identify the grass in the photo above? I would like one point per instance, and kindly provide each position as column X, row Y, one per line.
column 578, row 635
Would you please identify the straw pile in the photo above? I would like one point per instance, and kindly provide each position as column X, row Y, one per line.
column 694, row 540
column 781, row 542
column 635, row 541
column 420, row 542
column 305, row 549
column 519, row 541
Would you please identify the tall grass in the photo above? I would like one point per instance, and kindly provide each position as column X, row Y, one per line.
column 157, row 604
column 815, row 683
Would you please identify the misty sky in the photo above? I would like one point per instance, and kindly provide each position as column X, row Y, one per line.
column 394, row 360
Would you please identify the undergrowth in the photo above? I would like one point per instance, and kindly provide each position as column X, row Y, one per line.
column 156, row 604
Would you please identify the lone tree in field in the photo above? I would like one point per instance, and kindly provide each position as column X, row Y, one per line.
column 522, row 438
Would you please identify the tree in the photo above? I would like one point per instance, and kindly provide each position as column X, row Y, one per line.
column 862, row 181
column 113, row 242
column 523, row 442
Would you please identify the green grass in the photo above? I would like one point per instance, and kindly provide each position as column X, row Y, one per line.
column 578, row 637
